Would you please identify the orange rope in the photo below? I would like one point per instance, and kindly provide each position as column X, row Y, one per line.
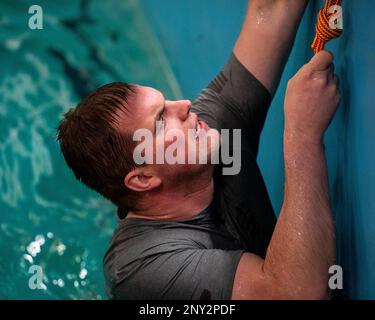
column 323, row 32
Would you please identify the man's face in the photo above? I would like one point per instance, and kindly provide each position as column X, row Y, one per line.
column 172, row 122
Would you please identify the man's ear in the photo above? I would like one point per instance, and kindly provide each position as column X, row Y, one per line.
column 138, row 180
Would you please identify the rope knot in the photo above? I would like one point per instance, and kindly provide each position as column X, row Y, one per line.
column 323, row 31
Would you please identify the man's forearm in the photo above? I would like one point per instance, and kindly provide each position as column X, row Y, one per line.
column 267, row 37
column 289, row 12
column 303, row 247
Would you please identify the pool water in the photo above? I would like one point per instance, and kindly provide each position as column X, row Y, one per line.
column 48, row 218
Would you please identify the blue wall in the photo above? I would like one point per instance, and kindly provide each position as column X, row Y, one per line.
column 198, row 36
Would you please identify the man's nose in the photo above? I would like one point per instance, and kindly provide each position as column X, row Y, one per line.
column 181, row 108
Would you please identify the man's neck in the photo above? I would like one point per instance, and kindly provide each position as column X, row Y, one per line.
column 176, row 203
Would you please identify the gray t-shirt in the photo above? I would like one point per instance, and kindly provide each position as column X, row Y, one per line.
column 192, row 259
column 197, row 259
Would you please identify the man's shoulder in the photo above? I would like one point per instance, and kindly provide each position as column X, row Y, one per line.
column 138, row 239
column 135, row 238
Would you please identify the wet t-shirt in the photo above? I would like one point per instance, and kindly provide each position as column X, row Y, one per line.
column 198, row 258
column 192, row 259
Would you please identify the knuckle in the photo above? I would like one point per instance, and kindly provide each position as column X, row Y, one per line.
column 320, row 82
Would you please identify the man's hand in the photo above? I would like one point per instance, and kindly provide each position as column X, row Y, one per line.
column 311, row 99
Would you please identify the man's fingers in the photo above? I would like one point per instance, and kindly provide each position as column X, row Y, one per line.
column 321, row 61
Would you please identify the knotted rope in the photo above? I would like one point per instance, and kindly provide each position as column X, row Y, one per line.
column 323, row 31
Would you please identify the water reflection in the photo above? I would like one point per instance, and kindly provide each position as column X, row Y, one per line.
column 66, row 267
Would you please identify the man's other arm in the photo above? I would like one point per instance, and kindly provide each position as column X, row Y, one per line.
column 302, row 247
column 267, row 36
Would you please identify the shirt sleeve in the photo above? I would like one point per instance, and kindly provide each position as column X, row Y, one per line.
column 186, row 274
column 235, row 99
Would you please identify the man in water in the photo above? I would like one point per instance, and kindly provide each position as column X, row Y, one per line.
column 187, row 231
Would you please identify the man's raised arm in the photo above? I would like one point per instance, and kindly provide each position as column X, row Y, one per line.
column 302, row 247
column 267, row 36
